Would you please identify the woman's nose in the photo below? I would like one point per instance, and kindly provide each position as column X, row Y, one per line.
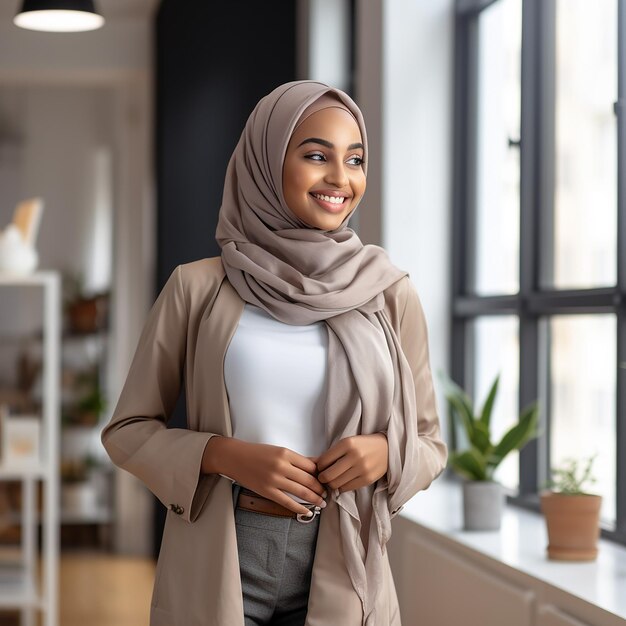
column 337, row 175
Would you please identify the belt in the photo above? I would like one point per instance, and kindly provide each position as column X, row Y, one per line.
column 252, row 501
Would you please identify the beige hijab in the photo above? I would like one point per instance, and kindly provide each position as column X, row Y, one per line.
column 302, row 275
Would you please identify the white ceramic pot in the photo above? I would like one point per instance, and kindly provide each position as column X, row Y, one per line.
column 483, row 502
column 79, row 497
column 16, row 257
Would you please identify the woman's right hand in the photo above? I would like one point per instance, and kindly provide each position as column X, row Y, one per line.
column 266, row 469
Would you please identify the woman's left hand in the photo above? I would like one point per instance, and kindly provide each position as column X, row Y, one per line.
column 353, row 462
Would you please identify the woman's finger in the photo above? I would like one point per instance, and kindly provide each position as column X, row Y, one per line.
column 351, row 475
column 336, row 469
column 303, row 462
column 300, row 485
column 355, row 483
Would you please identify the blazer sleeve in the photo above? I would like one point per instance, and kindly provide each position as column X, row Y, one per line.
column 433, row 451
column 167, row 460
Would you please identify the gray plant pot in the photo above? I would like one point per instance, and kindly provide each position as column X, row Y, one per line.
column 483, row 501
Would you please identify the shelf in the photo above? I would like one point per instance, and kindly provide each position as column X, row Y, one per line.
column 37, row 471
column 15, row 588
column 67, row 336
column 100, row 515
column 18, row 583
column 38, row 278
column 19, row 473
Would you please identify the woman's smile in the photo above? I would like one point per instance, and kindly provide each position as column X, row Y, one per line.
column 331, row 202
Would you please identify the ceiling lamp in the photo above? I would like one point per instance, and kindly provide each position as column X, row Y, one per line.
column 59, row 16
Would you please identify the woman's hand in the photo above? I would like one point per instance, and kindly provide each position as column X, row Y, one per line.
column 266, row 469
column 354, row 462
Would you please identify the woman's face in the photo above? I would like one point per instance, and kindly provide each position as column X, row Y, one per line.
column 324, row 158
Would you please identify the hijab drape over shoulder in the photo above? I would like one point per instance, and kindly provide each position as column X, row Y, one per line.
column 302, row 275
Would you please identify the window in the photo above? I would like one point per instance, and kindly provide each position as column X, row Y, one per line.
column 497, row 151
column 582, row 395
column 539, row 232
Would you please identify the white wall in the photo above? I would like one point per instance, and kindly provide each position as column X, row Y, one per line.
column 65, row 130
column 405, row 89
column 65, row 139
column 417, row 174
column 328, row 52
column 119, row 48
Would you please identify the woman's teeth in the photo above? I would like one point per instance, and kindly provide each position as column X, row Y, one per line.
column 333, row 199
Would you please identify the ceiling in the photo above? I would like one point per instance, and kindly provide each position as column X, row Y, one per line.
column 108, row 8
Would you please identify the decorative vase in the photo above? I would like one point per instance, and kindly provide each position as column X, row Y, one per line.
column 88, row 314
column 83, row 315
column 79, row 498
column 573, row 525
column 16, row 256
column 483, row 501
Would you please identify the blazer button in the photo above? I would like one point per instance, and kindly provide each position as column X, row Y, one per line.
column 176, row 508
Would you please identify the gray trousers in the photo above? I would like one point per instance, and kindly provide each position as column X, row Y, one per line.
column 275, row 561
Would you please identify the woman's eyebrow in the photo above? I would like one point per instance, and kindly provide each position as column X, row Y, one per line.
column 352, row 146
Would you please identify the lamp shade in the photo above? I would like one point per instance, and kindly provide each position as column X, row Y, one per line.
column 58, row 15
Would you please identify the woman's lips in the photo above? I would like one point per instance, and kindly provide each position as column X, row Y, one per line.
column 331, row 207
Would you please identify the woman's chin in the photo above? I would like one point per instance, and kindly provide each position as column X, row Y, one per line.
column 331, row 222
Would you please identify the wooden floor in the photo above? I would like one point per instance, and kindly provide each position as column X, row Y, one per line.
column 105, row 590
column 98, row 589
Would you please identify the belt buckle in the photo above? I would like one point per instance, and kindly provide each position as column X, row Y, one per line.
column 308, row 519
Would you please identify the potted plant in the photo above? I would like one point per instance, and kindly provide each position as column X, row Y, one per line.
column 91, row 401
column 572, row 514
column 483, row 497
column 86, row 312
column 77, row 493
column 91, row 406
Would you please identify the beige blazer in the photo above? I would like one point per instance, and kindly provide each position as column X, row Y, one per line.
column 197, row 580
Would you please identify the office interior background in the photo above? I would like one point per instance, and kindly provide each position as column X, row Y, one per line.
column 496, row 178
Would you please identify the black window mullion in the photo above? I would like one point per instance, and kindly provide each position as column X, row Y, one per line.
column 546, row 140
column 620, row 111
column 530, row 176
column 473, row 306
column 466, row 8
column 470, row 108
column 464, row 136
column 570, row 301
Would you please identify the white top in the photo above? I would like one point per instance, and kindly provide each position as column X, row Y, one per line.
column 275, row 377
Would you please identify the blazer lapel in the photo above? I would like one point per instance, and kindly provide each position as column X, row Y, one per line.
column 215, row 334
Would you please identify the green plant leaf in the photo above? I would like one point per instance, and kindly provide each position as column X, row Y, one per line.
column 518, row 435
column 463, row 416
column 460, row 403
column 480, row 438
column 468, row 463
column 566, row 479
column 452, row 389
column 480, row 461
column 485, row 416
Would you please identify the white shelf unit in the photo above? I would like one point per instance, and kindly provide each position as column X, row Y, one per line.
column 21, row 586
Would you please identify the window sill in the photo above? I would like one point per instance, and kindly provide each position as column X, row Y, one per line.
column 521, row 544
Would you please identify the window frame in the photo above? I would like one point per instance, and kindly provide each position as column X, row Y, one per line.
column 532, row 302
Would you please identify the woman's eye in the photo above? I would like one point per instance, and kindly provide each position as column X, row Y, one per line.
column 359, row 160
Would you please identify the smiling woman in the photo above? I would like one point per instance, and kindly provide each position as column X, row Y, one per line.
column 305, row 354
column 323, row 175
